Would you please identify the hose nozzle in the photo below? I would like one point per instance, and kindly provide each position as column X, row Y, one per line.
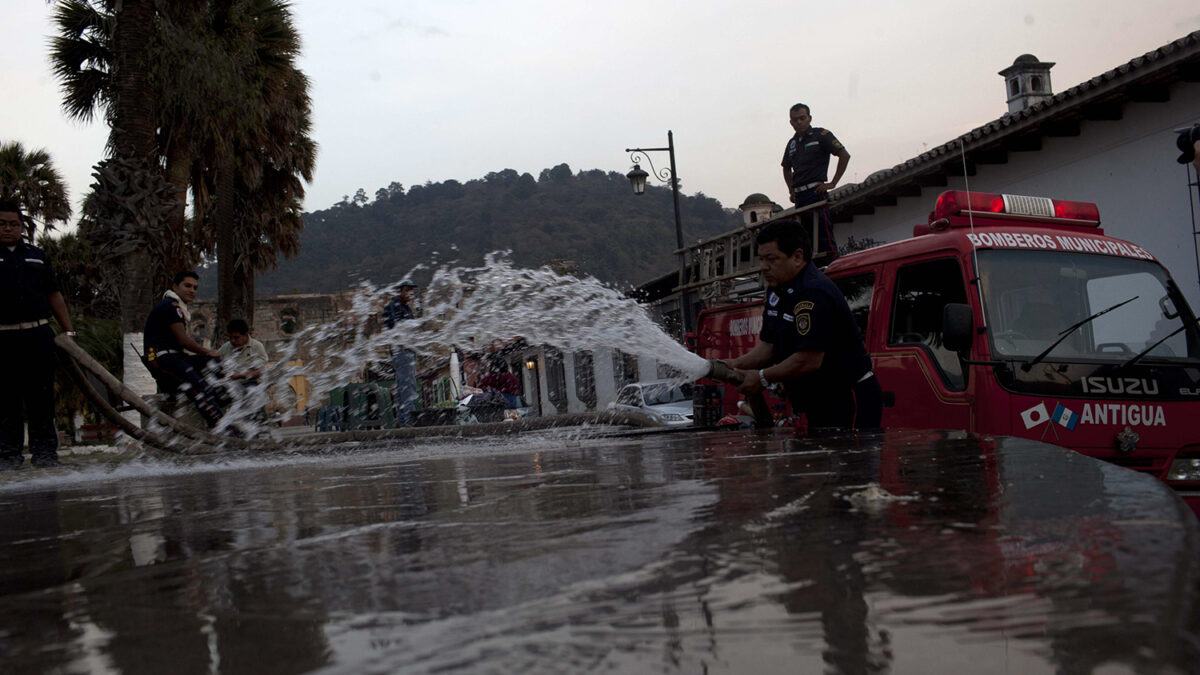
column 720, row 371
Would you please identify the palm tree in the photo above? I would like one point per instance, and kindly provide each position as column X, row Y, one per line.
column 83, row 58
column 233, row 117
column 261, row 157
column 127, row 212
column 29, row 177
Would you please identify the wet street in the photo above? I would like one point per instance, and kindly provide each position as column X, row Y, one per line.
column 912, row 552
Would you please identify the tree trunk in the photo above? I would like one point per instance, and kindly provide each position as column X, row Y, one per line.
column 133, row 125
column 179, row 173
column 223, row 217
column 248, row 296
column 133, row 137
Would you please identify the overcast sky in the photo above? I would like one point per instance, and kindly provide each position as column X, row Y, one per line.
column 428, row 91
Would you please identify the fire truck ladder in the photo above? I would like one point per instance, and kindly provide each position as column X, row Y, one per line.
column 724, row 270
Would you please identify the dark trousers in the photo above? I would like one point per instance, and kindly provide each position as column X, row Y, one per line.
column 27, row 392
column 859, row 407
column 183, row 372
column 826, row 246
column 404, row 364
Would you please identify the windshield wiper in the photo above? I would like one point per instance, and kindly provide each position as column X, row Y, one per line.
column 1067, row 333
column 1138, row 357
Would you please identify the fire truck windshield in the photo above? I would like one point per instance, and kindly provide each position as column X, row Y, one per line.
column 1032, row 298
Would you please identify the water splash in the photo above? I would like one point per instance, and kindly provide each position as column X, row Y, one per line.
column 471, row 308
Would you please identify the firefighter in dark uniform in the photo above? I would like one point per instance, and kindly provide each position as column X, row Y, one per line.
column 806, row 173
column 809, row 340
column 176, row 361
column 404, row 361
column 29, row 295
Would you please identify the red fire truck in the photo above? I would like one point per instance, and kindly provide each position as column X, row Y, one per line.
column 1016, row 315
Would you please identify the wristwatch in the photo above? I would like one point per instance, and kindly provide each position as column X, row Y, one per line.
column 762, row 379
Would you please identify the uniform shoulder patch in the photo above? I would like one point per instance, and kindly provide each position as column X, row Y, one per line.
column 803, row 323
column 803, row 316
column 179, row 311
column 824, row 132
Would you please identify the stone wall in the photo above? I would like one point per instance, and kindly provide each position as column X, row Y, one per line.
column 276, row 318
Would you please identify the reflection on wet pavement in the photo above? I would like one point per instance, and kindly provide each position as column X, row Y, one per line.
column 694, row 552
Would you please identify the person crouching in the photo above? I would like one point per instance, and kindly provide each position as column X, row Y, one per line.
column 176, row 361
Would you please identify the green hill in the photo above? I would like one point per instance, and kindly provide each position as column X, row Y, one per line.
column 591, row 217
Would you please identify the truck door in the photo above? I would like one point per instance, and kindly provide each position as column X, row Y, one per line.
column 925, row 379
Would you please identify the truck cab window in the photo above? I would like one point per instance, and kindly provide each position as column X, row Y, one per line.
column 922, row 291
column 859, row 289
column 1143, row 323
column 1056, row 290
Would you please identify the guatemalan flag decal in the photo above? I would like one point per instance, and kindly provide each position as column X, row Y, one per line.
column 1065, row 417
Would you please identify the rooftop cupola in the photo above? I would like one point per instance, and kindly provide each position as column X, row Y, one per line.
column 1027, row 82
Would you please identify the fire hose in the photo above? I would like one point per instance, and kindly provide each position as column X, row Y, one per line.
column 720, row 371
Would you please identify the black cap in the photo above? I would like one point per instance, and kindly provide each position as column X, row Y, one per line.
column 408, row 283
column 1186, row 142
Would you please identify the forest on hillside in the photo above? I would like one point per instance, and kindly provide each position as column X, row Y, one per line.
column 591, row 217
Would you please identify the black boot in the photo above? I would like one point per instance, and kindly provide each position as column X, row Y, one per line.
column 44, row 459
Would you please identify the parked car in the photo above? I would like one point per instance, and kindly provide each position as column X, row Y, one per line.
column 667, row 401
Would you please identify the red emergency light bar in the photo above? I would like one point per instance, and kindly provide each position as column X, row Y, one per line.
column 961, row 203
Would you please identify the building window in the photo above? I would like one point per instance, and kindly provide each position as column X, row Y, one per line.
column 1014, row 86
column 556, row 380
column 625, row 368
column 922, row 292
column 585, row 379
column 289, row 321
column 1035, row 84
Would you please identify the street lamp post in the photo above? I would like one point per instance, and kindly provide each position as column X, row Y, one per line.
column 637, row 178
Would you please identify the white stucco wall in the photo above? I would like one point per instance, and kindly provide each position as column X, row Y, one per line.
column 1127, row 167
column 606, row 384
column 136, row 377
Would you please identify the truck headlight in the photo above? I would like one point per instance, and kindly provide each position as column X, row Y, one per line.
column 1185, row 469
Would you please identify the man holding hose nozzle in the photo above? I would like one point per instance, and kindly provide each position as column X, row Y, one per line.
column 809, row 340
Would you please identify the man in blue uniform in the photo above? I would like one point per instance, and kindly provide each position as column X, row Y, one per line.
column 806, row 172
column 176, row 361
column 29, row 295
column 809, row 340
column 404, row 361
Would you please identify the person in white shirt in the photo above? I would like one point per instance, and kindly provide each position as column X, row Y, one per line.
column 242, row 356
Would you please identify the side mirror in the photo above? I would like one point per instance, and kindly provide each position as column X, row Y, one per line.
column 958, row 326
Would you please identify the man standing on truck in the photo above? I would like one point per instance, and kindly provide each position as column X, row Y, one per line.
column 806, row 172
column 809, row 340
